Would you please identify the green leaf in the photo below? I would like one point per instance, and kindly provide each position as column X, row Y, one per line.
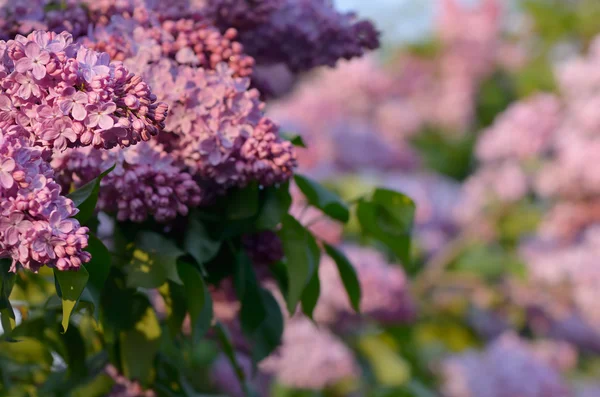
column 198, row 299
column 26, row 351
column 322, row 198
column 347, row 274
column 175, row 300
column 98, row 268
column 276, row 203
column 198, row 242
column 7, row 281
column 311, row 293
column 252, row 312
column 86, row 197
column 267, row 337
column 296, row 140
column 388, row 217
column 71, row 285
column 154, row 261
column 302, row 256
column 242, row 203
column 139, row 347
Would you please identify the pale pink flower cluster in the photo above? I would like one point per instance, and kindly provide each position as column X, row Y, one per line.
column 65, row 95
column 310, row 357
column 525, row 131
column 36, row 222
column 570, row 271
column 509, row 367
column 217, row 129
column 358, row 120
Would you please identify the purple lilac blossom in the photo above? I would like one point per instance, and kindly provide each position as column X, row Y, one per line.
column 508, row 367
column 295, row 31
column 144, row 183
column 36, row 223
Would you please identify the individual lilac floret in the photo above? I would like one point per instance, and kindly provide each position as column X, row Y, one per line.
column 36, row 224
column 385, row 294
column 295, row 33
column 144, row 182
column 310, row 357
column 507, row 368
column 65, row 95
column 217, row 128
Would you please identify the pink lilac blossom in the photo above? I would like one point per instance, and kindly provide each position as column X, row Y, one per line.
column 569, row 272
column 144, row 183
column 525, row 131
column 23, row 17
column 189, row 39
column 65, row 95
column 310, row 357
column 217, row 129
column 491, row 186
column 358, row 101
column 508, row 367
column 295, row 31
column 36, row 223
column 385, row 290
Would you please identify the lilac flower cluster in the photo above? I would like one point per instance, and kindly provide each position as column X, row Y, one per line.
column 385, row 294
column 217, row 129
column 241, row 14
column 36, row 225
column 310, row 357
column 189, row 39
column 27, row 16
column 508, row 367
column 295, row 32
column 65, row 95
column 145, row 182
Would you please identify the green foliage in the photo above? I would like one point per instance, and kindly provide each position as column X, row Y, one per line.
column 347, row 274
column 448, row 155
column 302, row 256
column 7, row 281
column 153, row 261
column 388, row 217
column 86, row 197
column 325, row 200
column 197, row 300
column 70, row 286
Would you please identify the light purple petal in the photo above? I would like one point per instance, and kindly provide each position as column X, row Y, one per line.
column 79, row 112
column 106, row 122
column 23, row 65
column 6, row 180
column 39, row 71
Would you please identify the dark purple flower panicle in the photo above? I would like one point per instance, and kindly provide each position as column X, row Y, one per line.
column 36, row 222
column 144, row 182
column 295, row 31
column 65, row 95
